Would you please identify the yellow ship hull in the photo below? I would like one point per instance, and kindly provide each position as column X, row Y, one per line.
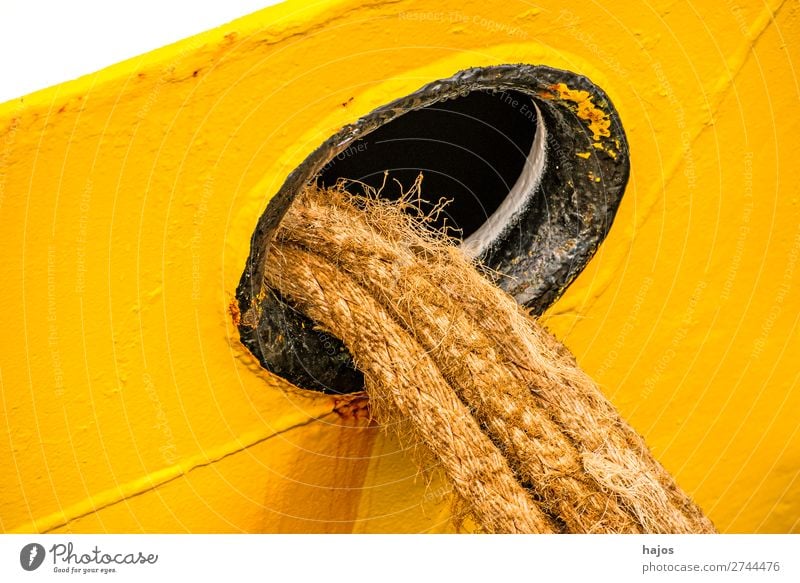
column 128, row 197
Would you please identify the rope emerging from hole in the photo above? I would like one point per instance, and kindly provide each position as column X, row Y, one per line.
column 524, row 435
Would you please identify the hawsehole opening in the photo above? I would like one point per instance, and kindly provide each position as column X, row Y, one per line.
column 470, row 150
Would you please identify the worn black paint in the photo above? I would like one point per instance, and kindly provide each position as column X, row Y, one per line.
column 548, row 245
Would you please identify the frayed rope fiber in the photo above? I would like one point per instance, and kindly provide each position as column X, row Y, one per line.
column 526, row 438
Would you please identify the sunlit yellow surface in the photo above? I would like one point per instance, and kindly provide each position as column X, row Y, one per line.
column 127, row 199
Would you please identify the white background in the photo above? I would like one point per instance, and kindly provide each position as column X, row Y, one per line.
column 46, row 42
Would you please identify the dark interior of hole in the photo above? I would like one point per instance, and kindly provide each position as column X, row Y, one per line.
column 470, row 150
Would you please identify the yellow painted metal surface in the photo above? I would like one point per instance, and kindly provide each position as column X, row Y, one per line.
column 127, row 199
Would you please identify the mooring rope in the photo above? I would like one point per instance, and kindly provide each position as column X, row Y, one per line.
column 524, row 435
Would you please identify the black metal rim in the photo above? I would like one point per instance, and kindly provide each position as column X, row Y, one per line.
column 565, row 218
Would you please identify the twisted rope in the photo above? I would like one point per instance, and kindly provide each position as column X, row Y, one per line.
column 524, row 435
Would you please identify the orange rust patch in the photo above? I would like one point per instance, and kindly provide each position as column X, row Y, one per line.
column 599, row 122
column 355, row 406
column 233, row 310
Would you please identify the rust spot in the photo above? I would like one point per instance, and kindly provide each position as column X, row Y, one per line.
column 352, row 406
column 62, row 109
column 599, row 122
column 233, row 310
column 346, row 103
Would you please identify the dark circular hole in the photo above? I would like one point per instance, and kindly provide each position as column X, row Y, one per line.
column 525, row 196
column 470, row 150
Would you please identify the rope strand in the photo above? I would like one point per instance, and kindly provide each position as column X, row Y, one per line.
column 523, row 434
